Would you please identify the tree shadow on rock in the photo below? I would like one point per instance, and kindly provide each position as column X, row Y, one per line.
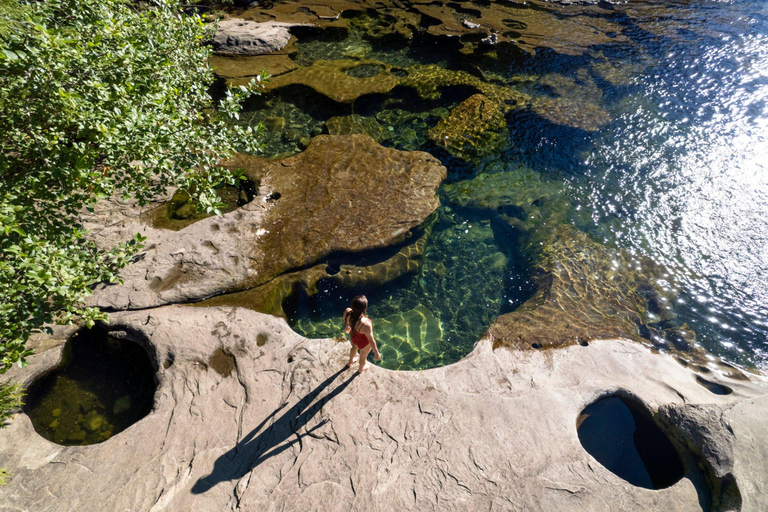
column 254, row 449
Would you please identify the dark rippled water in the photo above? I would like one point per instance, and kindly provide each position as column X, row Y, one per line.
column 678, row 174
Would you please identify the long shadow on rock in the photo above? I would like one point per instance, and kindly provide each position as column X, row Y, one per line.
column 254, row 449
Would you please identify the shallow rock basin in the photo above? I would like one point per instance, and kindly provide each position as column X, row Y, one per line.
column 101, row 387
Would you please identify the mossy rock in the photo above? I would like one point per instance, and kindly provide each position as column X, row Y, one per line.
column 521, row 188
column 181, row 211
column 473, row 130
column 354, row 123
column 270, row 297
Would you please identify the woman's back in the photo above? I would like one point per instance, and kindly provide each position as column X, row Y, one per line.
column 360, row 330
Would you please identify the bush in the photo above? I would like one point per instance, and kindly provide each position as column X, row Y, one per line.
column 99, row 97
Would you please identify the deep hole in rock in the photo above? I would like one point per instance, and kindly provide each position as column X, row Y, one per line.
column 536, row 346
column 102, row 386
column 713, row 387
column 623, row 437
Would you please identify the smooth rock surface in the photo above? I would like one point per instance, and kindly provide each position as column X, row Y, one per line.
column 286, row 430
column 363, row 196
column 243, row 37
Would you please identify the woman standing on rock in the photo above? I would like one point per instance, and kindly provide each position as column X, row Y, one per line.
column 360, row 330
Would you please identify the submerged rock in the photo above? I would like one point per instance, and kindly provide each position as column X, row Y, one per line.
column 338, row 79
column 474, row 129
column 576, row 102
column 585, row 290
column 521, row 188
column 343, row 194
column 355, row 123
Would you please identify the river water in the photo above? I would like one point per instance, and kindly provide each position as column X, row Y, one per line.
column 658, row 150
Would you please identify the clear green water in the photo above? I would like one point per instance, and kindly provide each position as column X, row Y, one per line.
column 676, row 171
column 102, row 386
column 431, row 318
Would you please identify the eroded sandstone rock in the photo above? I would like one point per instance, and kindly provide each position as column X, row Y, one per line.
column 531, row 25
column 284, row 427
column 242, row 37
column 270, row 297
column 343, row 194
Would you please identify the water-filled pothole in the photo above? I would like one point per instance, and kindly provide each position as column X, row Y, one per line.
column 713, row 387
column 102, row 386
column 625, row 440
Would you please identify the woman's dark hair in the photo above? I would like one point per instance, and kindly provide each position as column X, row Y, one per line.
column 359, row 305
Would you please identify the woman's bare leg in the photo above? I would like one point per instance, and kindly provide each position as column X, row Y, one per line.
column 352, row 354
column 364, row 358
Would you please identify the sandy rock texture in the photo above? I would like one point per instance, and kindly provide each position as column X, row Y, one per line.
column 350, row 181
column 243, row 37
column 283, row 427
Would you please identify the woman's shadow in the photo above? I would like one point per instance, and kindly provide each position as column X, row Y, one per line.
column 254, row 449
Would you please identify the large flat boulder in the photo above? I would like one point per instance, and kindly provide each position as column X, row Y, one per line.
column 242, row 37
column 285, row 429
column 343, row 194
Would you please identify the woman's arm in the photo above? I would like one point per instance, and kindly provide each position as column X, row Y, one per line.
column 368, row 330
column 347, row 327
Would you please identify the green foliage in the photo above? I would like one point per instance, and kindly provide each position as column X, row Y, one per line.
column 11, row 398
column 98, row 98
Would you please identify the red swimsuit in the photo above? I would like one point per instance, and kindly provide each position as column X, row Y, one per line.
column 359, row 339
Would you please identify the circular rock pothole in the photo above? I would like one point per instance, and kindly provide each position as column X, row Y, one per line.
column 713, row 387
column 623, row 437
column 102, row 386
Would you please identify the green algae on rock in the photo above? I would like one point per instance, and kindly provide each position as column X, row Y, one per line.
column 180, row 211
column 350, row 182
column 271, row 297
column 520, row 187
column 347, row 125
column 476, row 128
column 306, row 208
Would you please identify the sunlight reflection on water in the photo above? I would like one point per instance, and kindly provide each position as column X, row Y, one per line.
column 688, row 174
